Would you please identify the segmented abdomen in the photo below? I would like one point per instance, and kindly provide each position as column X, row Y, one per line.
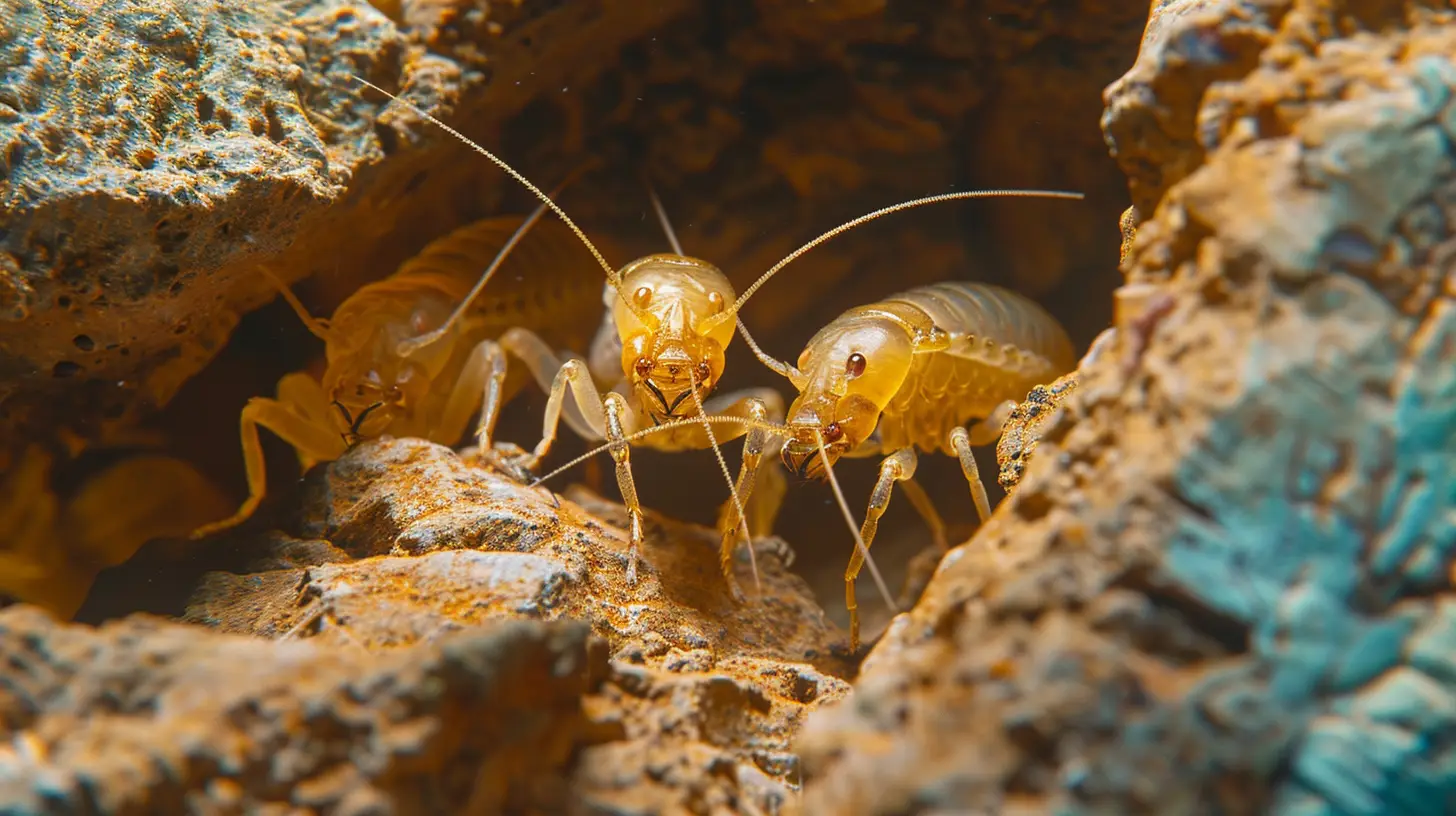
column 549, row 284
column 1002, row 345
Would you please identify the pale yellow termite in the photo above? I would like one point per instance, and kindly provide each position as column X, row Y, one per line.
column 376, row 382
column 905, row 373
column 660, row 350
column 670, row 320
column 910, row 372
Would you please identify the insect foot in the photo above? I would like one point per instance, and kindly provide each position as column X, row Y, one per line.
column 506, row 458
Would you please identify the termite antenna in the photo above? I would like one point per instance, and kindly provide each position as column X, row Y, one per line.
column 612, row 276
column 414, row 344
column 676, row 422
column 698, row 400
column 777, row 366
column 316, row 326
column 732, row 488
column 904, row 205
column 662, row 217
column 859, row 544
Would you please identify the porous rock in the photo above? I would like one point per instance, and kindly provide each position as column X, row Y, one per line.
column 146, row 716
column 153, row 154
column 703, row 695
column 1224, row 581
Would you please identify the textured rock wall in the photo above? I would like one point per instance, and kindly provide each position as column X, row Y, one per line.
column 144, row 716
column 155, row 152
column 1224, row 583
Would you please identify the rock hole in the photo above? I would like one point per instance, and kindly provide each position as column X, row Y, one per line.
column 63, row 302
column 146, row 158
column 169, row 237
column 1227, row 631
column 83, row 342
column 65, row 369
column 1350, row 247
column 388, row 139
column 276, row 131
column 806, row 689
column 14, row 155
column 206, row 108
column 257, row 126
column 225, row 119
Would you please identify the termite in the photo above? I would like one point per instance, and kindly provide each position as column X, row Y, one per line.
column 909, row 373
column 380, row 378
column 905, row 373
column 670, row 320
column 662, row 342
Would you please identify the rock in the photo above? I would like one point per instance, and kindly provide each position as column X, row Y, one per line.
column 156, row 153
column 703, row 694
column 1221, row 581
column 148, row 716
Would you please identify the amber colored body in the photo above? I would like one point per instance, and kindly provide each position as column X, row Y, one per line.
column 549, row 282
column 908, row 373
column 1002, row 345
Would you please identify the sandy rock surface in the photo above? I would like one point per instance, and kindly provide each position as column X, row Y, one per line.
column 703, row 694
column 146, row 716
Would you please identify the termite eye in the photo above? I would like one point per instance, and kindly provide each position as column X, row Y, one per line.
column 642, row 296
column 643, row 366
column 856, row 365
column 704, row 372
column 715, row 299
column 832, row 433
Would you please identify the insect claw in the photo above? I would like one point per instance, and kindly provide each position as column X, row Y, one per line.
column 354, row 428
column 778, row 548
column 348, row 420
column 736, row 592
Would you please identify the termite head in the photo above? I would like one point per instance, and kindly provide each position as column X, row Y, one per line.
column 370, row 381
column 670, row 349
column 367, row 402
column 846, row 376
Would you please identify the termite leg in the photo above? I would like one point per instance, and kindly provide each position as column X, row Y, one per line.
column 597, row 416
column 924, row 564
column 982, row 433
column 307, row 397
column 614, row 407
column 554, row 375
column 960, row 441
column 761, row 505
column 479, row 385
column 920, row 500
column 897, row 467
column 318, row 442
